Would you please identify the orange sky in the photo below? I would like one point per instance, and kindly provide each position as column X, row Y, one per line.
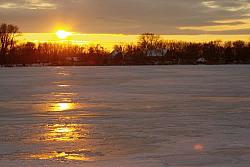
column 108, row 40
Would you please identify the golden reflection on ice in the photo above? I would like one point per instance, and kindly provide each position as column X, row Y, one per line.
column 66, row 133
column 61, row 94
column 62, row 156
column 64, row 130
column 57, row 102
column 58, row 107
column 63, row 73
column 61, row 132
column 63, row 85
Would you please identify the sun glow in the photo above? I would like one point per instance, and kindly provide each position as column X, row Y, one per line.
column 109, row 40
column 62, row 34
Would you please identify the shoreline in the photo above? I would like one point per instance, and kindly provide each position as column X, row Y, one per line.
column 135, row 65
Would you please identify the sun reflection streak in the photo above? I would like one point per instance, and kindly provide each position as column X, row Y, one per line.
column 64, row 132
column 61, row 156
column 63, row 85
column 63, row 73
column 59, row 107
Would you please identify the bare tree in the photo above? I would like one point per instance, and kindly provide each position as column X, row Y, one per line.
column 8, row 34
column 148, row 42
column 148, row 39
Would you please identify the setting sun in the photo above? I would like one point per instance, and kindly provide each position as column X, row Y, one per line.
column 62, row 34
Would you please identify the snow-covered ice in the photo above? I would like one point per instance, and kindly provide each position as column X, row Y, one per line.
column 148, row 116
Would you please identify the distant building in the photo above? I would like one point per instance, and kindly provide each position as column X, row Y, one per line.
column 152, row 52
column 201, row 60
column 73, row 59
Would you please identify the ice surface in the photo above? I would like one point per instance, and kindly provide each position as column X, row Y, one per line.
column 148, row 116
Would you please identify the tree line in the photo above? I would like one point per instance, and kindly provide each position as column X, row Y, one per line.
column 150, row 49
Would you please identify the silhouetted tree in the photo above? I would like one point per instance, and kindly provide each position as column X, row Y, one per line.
column 148, row 42
column 8, row 34
column 150, row 49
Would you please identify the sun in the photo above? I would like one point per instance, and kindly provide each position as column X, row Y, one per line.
column 62, row 34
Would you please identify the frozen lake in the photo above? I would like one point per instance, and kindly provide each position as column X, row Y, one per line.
column 149, row 116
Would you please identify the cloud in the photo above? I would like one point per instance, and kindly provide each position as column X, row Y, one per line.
column 28, row 4
column 210, row 4
column 229, row 5
column 237, row 9
column 130, row 16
